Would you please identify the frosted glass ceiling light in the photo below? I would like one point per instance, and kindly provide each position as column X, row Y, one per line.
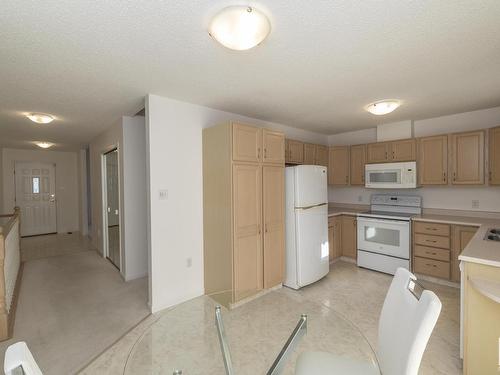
column 239, row 27
column 40, row 118
column 44, row 144
column 383, row 107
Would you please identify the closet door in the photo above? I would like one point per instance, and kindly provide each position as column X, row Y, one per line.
column 247, row 237
column 274, row 226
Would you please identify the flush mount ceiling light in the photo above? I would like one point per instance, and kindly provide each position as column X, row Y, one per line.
column 239, row 27
column 44, row 144
column 40, row 118
column 383, row 107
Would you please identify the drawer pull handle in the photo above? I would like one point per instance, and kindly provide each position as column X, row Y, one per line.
column 431, row 253
column 430, row 265
column 431, row 228
column 433, row 241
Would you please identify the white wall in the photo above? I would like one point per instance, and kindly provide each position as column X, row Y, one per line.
column 174, row 144
column 134, row 197
column 128, row 135
column 67, row 197
column 444, row 197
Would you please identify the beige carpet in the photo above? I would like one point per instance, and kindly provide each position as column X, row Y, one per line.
column 72, row 307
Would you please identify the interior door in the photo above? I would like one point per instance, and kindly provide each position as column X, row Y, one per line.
column 36, row 197
column 273, row 183
column 112, row 207
column 247, row 206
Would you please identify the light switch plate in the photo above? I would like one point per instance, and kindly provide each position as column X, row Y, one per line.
column 163, row 194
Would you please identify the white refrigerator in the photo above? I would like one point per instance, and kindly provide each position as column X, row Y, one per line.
column 306, row 225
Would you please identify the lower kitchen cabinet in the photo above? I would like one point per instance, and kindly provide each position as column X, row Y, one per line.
column 348, row 236
column 334, row 237
column 461, row 237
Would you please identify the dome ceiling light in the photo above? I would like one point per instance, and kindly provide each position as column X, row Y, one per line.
column 40, row 118
column 44, row 144
column 239, row 27
column 383, row 107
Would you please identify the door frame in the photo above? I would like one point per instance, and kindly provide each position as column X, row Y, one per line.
column 54, row 164
column 104, row 201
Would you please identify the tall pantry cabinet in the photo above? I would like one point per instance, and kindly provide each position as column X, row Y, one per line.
column 243, row 210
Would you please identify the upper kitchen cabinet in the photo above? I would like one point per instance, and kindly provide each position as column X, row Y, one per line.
column 322, row 155
column 494, row 173
column 382, row 152
column 404, row 150
column 294, row 152
column 309, row 154
column 378, row 152
column 273, row 144
column 467, row 150
column 433, row 160
column 338, row 166
column 358, row 161
column 247, row 143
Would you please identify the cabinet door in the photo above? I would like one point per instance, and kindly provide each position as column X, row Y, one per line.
column 309, row 154
column 273, row 144
column 338, row 166
column 273, row 182
column 334, row 233
column 246, row 143
column 295, row 152
column 378, row 152
column 433, row 160
column 461, row 237
column 357, row 164
column 247, row 236
column 405, row 150
column 322, row 155
column 494, row 175
column 468, row 158
column 348, row 237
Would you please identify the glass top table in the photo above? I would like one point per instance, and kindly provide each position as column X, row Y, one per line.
column 185, row 338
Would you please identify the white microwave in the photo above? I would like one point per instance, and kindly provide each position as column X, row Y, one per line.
column 391, row 175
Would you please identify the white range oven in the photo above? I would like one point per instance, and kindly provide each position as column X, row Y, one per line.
column 384, row 232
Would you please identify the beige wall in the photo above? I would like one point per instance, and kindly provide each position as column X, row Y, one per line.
column 444, row 197
column 67, row 192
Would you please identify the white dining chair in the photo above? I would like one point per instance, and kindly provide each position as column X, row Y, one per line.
column 405, row 326
column 20, row 361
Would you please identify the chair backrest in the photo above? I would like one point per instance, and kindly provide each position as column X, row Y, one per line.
column 405, row 325
column 19, row 360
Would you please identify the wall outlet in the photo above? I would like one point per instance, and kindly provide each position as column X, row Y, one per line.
column 189, row 262
column 360, row 198
column 475, row 203
column 163, row 194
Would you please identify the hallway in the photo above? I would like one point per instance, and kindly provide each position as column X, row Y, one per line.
column 73, row 304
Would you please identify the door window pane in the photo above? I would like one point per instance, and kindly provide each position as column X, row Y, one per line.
column 382, row 236
column 35, row 184
column 387, row 176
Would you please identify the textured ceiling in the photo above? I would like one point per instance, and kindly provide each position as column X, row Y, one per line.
column 88, row 63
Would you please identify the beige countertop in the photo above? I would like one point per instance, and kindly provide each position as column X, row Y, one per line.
column 477, row 251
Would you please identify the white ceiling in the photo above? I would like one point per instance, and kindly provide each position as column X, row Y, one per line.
column 88, row 63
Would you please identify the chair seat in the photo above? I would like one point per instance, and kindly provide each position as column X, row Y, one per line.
column 321, row 363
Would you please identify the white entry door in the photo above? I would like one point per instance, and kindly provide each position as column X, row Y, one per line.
column 36, row 197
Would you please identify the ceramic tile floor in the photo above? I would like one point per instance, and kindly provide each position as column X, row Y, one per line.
column 352, row 293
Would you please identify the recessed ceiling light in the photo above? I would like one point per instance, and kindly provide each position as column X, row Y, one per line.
column 40, row 118
column 44, row 144
column 239, row 27
column 383, row 107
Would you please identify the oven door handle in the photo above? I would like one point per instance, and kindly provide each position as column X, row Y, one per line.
column 373, row 220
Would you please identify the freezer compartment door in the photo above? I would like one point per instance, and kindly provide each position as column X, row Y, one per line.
column 310, row 185
column 312, row 244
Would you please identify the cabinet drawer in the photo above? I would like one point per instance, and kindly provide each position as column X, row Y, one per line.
column 432, row 267
column 432, row 228
column 433, row 241
column 432, row 253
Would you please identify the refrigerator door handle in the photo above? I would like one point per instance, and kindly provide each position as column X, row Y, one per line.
column 309, row 207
